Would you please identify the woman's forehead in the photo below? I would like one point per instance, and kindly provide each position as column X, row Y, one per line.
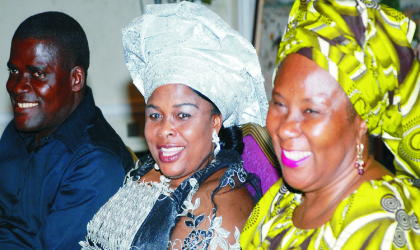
column 176, row 94
column 300, row 73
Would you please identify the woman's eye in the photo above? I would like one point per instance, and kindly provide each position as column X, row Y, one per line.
column 278, row 103
column 183, row 116
column 154, row 116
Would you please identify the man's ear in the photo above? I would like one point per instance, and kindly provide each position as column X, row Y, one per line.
column 78, row 78
column 217, row 122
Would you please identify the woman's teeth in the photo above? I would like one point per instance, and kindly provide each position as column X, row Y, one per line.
column 27, row 104
column 171, row 151
column 296, row 155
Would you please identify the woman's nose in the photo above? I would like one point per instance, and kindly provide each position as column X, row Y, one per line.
column 167, row 129
column 289, row 128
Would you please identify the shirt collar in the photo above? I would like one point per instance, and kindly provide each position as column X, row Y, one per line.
column 70, row 131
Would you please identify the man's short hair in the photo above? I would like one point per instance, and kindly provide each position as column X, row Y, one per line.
column 63, row 32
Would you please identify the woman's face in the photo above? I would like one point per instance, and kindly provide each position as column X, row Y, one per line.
column 179, row 127
column 308, row 122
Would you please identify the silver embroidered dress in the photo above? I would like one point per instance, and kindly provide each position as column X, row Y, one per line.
column 143, row 215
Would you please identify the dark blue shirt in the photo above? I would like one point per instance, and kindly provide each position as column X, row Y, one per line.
column 49, row 192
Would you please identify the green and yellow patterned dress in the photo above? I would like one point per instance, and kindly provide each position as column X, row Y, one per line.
column 381, row 214
column 366, row 47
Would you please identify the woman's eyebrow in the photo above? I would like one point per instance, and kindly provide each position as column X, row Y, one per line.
column 186, row 104
column 277, row 94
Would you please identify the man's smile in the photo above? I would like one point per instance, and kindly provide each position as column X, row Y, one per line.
column 27, row 104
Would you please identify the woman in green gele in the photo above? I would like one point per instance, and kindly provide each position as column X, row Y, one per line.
column 347, row 72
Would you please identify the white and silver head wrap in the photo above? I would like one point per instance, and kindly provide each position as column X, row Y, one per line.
column 188, row 44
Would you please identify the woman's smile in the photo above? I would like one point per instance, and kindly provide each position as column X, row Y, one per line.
column 294, row 159
column 169, row 154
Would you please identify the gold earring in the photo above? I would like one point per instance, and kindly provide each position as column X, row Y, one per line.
column 360, row 164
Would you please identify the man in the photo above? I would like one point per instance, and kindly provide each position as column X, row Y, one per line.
column 60, row 161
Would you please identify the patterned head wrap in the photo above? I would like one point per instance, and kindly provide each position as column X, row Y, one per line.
column 366, row 48
column 188, row 44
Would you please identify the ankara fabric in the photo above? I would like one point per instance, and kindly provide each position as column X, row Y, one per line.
column 380, row 214
column 366, row 48
column 188, row 44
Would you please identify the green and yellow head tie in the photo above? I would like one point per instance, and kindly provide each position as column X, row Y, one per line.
column 366, row 47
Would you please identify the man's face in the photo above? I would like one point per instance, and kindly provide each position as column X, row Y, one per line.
column 39, row 88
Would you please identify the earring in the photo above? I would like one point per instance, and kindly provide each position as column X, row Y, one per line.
column 156, row 167
column 360, row 164
column 216, row 141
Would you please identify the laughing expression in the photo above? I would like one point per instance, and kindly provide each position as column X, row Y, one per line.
column 308, row 122
column 39, row 88
column 178, row 130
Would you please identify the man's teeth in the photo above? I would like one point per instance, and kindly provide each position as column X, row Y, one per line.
column 171, row 151
column 27, row 104
column 296, row 155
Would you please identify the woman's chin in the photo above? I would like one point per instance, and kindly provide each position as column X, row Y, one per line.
column 296, row 181
column 173, row 170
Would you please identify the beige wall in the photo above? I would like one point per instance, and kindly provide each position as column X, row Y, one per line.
column 102, row 21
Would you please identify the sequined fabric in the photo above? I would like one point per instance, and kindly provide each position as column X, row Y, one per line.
column 189, row 44
column 114, row 226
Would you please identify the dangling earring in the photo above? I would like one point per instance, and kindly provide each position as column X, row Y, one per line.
column 360, row 164
column 216, row 141
column 156, row 167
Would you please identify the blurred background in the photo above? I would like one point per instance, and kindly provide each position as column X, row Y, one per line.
column 261, row 22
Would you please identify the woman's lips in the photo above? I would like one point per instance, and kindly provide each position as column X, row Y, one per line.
column 294, row 159
column 170, row 154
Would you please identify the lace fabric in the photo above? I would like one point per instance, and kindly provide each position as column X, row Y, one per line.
column 117, row 222
column 214, row 235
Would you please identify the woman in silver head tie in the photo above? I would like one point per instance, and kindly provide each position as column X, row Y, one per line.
column 201, row 80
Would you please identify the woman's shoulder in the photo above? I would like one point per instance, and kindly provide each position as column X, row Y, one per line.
column 386, row 210
column 226, row 170
column 277, row 201
column 143, row 165
column 224, row 176
column 388, row 194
